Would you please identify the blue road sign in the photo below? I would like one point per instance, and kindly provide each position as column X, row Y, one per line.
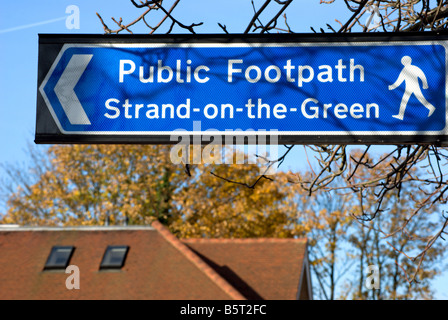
column 297, row 89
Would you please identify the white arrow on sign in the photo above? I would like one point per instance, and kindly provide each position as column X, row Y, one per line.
column 64, row 89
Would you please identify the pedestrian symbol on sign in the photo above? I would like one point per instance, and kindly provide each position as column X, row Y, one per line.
column 410, row 75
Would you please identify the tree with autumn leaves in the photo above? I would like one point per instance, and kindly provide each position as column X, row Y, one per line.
column 92, row 184
column 88, row 185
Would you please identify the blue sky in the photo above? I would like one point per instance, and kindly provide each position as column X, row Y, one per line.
column 22, row 21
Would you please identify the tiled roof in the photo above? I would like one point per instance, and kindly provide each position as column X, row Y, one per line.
column 158, row 265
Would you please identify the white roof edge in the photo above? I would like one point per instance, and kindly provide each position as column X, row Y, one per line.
column 10, row 228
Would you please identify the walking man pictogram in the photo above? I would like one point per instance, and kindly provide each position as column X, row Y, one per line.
column 410, row 75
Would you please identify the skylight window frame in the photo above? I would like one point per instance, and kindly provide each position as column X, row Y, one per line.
column 107, row 265
column 51, row 263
